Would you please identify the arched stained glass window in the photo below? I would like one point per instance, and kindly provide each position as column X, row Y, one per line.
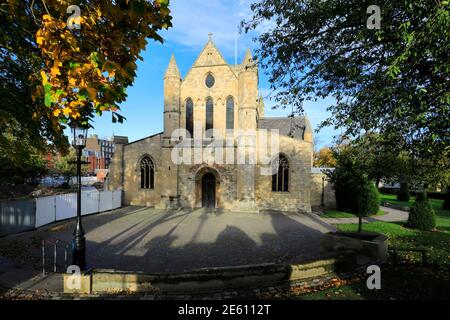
column 280, row 180
column 209, row 113
column 147, row 173
column 190, row 116
column 230, row 113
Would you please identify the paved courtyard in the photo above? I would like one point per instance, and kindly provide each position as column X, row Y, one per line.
column 146, row 239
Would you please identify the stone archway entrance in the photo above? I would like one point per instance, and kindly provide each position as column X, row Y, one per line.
column 208, row 190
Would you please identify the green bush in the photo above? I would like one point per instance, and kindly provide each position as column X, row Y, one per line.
column 403, row 193
column 446, row 204
column 371, row 200
column 353, row 190
column 421, row 215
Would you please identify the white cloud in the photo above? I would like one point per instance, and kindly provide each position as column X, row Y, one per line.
column 194, row 19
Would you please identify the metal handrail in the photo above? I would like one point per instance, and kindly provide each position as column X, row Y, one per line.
column 55, row 253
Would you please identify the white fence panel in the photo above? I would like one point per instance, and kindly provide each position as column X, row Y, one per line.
column 89, row 202
column 117, row 199
column 16, row 216
column 45, row 211
column 66, row 206
column 106, row 201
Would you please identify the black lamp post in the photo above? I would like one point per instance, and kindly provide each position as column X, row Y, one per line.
column 79, row 135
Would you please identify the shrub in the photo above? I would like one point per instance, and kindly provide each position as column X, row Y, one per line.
column 446, row 204
column 422, row 215
column 403, row 193
column 372, row 199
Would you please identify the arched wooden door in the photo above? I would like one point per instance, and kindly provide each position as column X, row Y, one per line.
column 208, row 190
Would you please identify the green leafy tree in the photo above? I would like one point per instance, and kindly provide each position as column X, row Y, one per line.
column 382, row 161
column 20, row 161
column 393, row 80
column 354, row 190
column 25, row 120
column 50, row 74
column 64, row 165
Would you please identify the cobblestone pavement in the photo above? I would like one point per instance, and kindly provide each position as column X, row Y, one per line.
column 393, row 215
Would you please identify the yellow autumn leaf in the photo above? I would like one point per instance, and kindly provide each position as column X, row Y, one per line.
column 55, row 71
column 72, row 81
column 67, row 111
column 56, row 112
column 75, row 115
column 40, row 40
column 44, row 78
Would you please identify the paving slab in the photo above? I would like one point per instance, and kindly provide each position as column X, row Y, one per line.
column 151, row 240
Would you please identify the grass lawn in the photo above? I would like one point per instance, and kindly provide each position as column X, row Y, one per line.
column 443, row 216
column 343, row 214
column 417, row 282
column 408, row 280
column 438, row 242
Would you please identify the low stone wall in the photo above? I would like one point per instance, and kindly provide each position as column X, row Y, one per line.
column 371, row 246
column 202, row 280
column 319, row 182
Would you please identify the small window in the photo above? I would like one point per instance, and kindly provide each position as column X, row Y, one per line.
column 230, row 113
column 209, row 113
column 189, row 116
column 280, row 180
column 147, row 173
column 209, row 81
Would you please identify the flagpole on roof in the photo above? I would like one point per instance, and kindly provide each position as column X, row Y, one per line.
column 235, row 48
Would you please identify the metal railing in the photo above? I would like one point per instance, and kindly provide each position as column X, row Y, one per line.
column 54, row 244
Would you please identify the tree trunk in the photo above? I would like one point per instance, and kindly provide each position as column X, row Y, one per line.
column 359, row 224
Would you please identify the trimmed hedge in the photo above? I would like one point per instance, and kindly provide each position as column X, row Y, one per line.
column 421, row 215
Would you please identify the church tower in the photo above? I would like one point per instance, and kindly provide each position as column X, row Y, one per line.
column 247, row 113
column 248, row 92
column 172, row 84
column 169, row 183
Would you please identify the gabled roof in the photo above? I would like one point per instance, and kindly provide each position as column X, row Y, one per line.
column 203, row 60
column 149, row 137
column 287, row 126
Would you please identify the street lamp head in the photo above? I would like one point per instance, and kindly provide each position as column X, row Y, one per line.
column 79, row 135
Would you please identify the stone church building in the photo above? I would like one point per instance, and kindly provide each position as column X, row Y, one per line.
column 213, row 102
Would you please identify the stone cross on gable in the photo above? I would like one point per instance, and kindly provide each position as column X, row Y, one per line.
column 210, row 36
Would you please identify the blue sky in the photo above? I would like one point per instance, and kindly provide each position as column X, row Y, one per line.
column 192, row 21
